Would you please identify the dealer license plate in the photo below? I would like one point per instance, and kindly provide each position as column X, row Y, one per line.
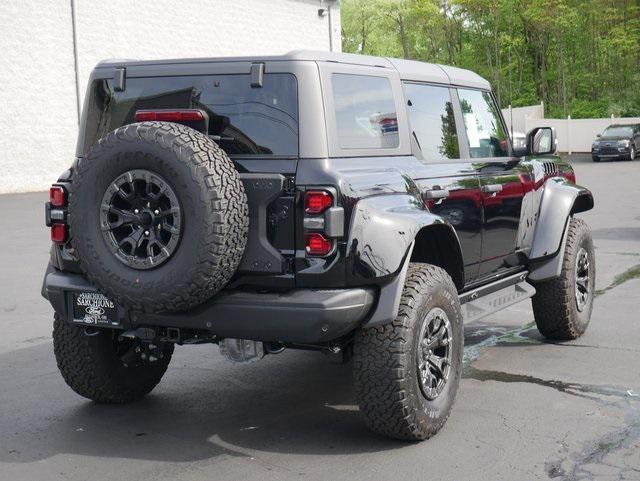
column 94, row 308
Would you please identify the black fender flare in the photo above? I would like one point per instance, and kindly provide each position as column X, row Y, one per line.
column 381, row 239
column 560, row 200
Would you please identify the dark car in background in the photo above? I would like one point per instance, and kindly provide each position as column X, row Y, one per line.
column 617, row 142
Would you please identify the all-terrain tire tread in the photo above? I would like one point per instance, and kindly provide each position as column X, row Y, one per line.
column 89, row 366
column 382, row 355
column 554, row 302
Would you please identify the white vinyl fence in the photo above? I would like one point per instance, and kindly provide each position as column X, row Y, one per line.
column 519, row 115
column 577, row 135
column 574, row 135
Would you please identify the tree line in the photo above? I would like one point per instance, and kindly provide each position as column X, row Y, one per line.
column 581, row 57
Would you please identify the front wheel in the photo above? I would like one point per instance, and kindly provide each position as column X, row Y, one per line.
column 632, row 153
column 407, row 371
column 562, row 306
column 99, row 366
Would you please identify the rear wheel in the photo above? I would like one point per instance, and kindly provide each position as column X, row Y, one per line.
column 562, row 306
column 407, row 372
column 99, row 366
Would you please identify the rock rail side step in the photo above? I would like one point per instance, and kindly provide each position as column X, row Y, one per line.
column 494, row 297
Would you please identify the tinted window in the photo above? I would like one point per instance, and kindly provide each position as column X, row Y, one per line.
column 251, row 121
column 485, row 132
column 432, row 121
column 618, row 132
column 365, row 112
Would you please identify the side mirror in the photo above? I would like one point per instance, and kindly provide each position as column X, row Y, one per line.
column 541, row 141
column 598, row 136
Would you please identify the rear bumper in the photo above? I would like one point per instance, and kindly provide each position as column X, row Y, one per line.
column 296, row 316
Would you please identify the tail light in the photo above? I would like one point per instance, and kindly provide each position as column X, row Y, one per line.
column 323, row 222
column 56, row 214
column 58, row 233
column 57, row 196
column 317, row 201
column 316, row 244
column 186, row 115
column 194, row 118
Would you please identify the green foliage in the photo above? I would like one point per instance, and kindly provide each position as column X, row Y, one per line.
column 581, row 57
column 449, row 146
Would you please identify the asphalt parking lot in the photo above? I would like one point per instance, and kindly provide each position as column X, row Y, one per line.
column 526, row 409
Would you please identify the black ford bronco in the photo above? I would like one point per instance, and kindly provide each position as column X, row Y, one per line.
column 361, row 206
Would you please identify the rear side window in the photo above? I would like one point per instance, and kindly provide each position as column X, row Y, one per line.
column 365, row 112
column 485, row 132
column 250, row 121
column 432, row 121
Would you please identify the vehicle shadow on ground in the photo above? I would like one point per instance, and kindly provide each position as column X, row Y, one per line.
column 295, row 402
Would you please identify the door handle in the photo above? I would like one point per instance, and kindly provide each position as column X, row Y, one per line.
column 491, row 188
column 435, row 194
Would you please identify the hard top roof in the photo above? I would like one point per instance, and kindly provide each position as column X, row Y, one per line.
column 408, row 69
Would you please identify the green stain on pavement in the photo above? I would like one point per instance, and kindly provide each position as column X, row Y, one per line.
column 629, row 274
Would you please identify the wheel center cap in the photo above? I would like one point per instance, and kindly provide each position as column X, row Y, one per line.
column 146, row 219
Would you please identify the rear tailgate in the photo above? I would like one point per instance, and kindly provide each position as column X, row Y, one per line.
column 271, row 243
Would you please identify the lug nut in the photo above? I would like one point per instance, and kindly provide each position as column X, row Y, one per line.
column 156, row 212
column 146, row 232
column 135, row 211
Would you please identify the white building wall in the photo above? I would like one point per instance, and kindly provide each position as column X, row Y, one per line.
column 38, row 120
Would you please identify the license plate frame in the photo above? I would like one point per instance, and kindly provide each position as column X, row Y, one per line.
column 94, row 309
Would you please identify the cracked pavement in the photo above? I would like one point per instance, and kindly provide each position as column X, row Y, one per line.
column 526, row 409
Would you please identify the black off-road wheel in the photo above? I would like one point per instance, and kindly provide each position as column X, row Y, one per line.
column 562, row 306
column 99, row 366
column 407, row 372
column 158, row 216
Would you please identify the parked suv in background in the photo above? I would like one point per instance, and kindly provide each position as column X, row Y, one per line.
column 354, row 205
column 617, row 142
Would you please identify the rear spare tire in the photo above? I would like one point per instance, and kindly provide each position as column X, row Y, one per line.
column 158, row 216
